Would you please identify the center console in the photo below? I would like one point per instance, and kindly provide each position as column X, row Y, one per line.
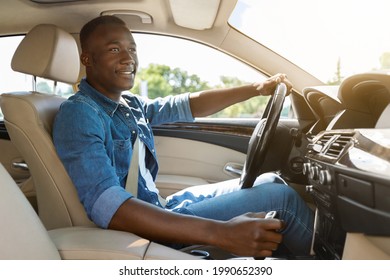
column 348, row 172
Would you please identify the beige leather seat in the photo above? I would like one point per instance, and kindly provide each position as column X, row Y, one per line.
column 23, row 236
column 51, row 53
column 28, row 117
column 21, row 225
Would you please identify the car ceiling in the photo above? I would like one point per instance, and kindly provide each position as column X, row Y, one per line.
column 204, row 21
column 72, row 14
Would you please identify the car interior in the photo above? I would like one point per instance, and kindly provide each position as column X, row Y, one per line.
column 335, row 151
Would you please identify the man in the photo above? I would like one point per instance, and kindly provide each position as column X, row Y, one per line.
column 94, row 134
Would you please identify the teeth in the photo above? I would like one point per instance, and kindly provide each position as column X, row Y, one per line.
column 126, row 72
column 131, row 71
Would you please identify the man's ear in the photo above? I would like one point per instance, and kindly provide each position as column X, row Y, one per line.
column 85, row 60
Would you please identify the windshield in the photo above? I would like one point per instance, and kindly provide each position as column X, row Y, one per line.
column 331, row 39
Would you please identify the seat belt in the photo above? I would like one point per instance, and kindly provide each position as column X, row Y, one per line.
column 132, row 175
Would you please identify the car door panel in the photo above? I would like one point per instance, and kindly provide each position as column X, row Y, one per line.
column 12, row 161
column 208, row 151
column 10, row 157
column 185, row 162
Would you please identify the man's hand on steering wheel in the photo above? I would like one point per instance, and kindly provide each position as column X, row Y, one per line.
column 268, row 86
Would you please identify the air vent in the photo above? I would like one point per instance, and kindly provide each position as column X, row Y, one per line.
column 325, row 139
column 336, row 143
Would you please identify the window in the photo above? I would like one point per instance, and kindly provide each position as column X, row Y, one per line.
column 331, row 39
column 171, row 66
column 163, row 70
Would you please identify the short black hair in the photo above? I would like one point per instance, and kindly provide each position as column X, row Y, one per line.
column 91, row 26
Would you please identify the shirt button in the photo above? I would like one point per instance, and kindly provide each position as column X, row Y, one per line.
column 133, row 132
column 127, row 114
column 156, row 203
column 153, row 150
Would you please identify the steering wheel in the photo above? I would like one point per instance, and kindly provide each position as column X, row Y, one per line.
column 261, row 138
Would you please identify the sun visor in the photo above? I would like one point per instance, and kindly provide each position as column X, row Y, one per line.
column 194, row 14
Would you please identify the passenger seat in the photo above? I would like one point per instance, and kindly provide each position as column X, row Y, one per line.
column 22, row 236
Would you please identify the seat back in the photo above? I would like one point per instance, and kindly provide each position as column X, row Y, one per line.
column 23, row 237
column 29, row 117
column 48, row 52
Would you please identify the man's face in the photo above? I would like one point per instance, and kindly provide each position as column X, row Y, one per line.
column 111, row 59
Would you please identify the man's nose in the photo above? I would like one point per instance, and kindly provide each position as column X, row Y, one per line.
column 127, row 57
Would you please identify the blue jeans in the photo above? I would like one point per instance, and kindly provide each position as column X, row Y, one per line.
column 225, row 200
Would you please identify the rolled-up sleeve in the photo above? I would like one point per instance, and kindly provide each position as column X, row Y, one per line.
column 107, row 204
column 169, row 109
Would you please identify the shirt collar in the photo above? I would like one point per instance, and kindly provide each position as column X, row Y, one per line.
column 108, row 105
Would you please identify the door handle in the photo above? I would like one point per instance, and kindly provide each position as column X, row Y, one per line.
column 236, row 169
column 20, row 165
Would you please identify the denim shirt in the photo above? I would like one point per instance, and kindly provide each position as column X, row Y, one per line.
column 94, row 137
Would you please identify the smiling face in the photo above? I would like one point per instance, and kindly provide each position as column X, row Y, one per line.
column 110, row 57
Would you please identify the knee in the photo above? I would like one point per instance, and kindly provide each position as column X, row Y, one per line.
column 290, row 194
column 277, row 188
column 288, row 191
column 269, row 177
column 281, row 192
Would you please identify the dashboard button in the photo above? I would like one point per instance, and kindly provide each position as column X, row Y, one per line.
column 325, row 177
column 314, row 170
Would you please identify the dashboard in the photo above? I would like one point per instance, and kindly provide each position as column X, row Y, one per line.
column 347, row 162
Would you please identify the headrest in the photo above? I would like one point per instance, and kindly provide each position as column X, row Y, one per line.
column 48, row 52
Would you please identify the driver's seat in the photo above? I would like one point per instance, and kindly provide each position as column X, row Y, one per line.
column 49, row 52
column 52, row 53
column 28, row 117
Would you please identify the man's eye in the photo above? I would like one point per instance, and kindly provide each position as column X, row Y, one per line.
column 132, row 50
column 115, row 50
